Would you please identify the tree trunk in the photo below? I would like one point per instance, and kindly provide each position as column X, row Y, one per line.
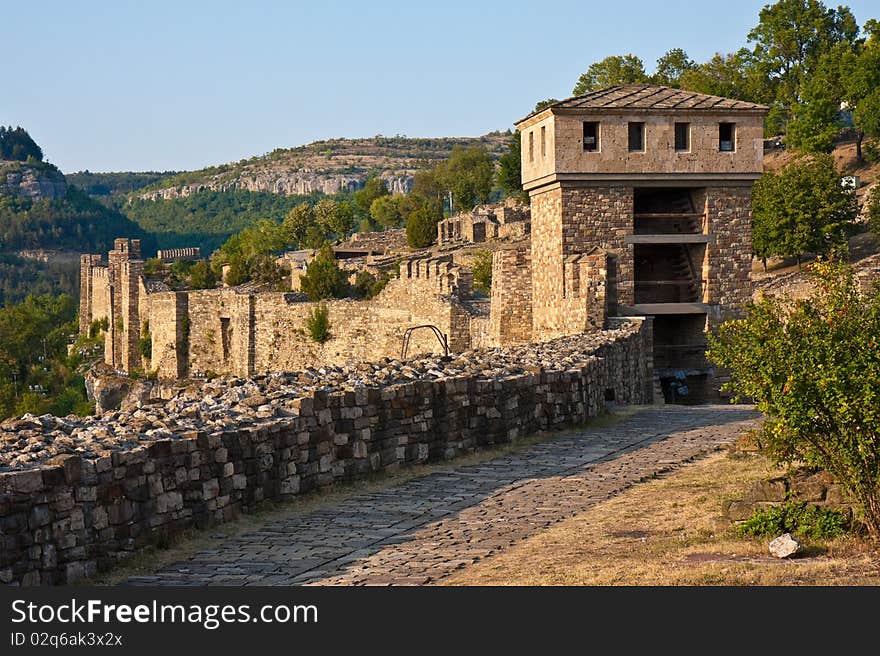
column 859, row 136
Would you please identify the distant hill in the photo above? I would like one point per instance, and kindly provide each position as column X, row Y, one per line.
column 115, row 184
column 44, row 224
column 329, row 167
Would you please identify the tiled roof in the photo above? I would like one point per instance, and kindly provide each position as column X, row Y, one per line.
column 650, row 96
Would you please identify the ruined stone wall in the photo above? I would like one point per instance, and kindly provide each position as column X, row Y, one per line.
column 568, row 222
column 244, row 334
column 71, row 516
column 510, row 317
column 169, row 328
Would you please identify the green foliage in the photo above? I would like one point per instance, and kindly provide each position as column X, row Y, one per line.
column 97, row 326
column 318, row 323
column 776, row 121
column 17, row 145
column 732, row 75
column 335, row 218
column 421, row 225
column 251, row 254
column 206, row 218
column 467, row 174
column 867, row 113
column 154, row 267
column 20, row 277
column 812, row 368
column 202, row 276
column 790, row 38
column 75, row 222
column 482, row 268
column 509, row 173
column 805, row 520
column 392, row 211
column 116, row 183
column 613, row 70
column 323, row 277
column 373, row 189
column 145, row 343
column 872, row 209
column 801, row 209
column 671, row 66
column 36, row 373
column 367, row 286
column 543, row 104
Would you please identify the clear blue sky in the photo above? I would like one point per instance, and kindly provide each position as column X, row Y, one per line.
column 158, row 85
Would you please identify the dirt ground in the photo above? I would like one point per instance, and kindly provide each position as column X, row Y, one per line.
column 669, row 531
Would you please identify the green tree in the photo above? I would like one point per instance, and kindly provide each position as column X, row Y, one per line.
column 297, row 223
column 509, row 173
column 323, row 277
column 391, row 211
column 671, row 66
column 482, row 268
column 468, row 174
column 202, row 276
column 334, row 217
column 812, row 367
column 611, row 71
column 17, row 144
column 374, row 188
column 421, row 225
column 544, row 104
column 790, row 38
column 801, row 209
column 733, row 75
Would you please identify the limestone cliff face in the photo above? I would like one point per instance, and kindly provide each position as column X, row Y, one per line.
column 31, row 182
column 286, row 183
column 329, row 166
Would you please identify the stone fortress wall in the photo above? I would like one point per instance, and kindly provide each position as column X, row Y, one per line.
column 242, row 332
column 74, row 514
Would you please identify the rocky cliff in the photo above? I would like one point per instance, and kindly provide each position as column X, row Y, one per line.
column 329, row 166
column 41, row 181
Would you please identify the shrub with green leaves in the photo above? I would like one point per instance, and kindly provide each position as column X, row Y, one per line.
column 806, row 520
column 318, row 323
column 812, row 367
column 482, row 267
column 323, row 277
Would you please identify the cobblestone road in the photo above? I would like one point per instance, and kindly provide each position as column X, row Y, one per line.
column 422, row 530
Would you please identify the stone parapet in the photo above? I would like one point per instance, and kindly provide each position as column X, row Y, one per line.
column 127, row 486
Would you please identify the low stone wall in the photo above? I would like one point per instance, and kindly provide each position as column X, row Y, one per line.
column 815, row 488
column 81, row 512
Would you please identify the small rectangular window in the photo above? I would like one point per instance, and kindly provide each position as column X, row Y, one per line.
column 591, row 135
column 636, row 137
column 683, row 136
column 543, row 141
column 531, row 146
column 727, row 137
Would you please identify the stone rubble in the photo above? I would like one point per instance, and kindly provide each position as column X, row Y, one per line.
column 228, row 401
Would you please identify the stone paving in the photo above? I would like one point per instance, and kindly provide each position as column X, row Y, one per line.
column 423, row 530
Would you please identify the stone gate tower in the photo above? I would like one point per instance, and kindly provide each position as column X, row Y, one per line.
column 659, row 181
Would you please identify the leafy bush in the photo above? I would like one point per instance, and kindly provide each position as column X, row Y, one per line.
column 482, row 267
column 323, row 277
column 145, row 343
column 812, row 367
column 318, row 323
column 805, row 520
column 421, row 226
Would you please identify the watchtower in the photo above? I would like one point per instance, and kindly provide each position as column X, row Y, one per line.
column 660, row 179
